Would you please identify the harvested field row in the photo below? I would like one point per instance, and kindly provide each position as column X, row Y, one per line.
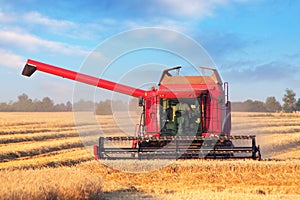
column 279, row 139
column 17, row 150
column 274, row 144
column 260, row 124
column 268, row 130
column 13, row 131
column 65, row 157
column 40, row 136
column 240, row 116
column 263, row 123
column 36, row 136
column 266, row 180
column 291, row 153
column 265, row 114
column 270, row 177
column 51, row 183
column 275, row 133
column 4, row 124
column 46, row 128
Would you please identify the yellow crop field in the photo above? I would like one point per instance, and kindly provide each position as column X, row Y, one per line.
column 43, row 157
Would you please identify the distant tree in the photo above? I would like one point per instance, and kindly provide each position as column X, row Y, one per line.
column 4, row 107
column 297, row 106
column 258, row 106
column 254, row 106
column 23, row 104
column 289, row 101
column 62, row 107
column 248, row 105
column 272, row 105
column 107, row 107
column 69, row 106
column 237, row 106
column 47, row 104
column 104, row 108
column 23, row 98
column 83, row 105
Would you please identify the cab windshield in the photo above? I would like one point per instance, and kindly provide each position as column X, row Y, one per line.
column 182, row 116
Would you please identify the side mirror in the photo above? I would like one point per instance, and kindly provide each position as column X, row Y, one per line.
column 141, row 101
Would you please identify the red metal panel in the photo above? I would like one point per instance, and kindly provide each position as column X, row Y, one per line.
column 95, row 147
column 215, row 111
column 180, row 93
column 151, row 112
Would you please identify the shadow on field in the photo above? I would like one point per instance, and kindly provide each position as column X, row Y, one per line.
column 130, row 193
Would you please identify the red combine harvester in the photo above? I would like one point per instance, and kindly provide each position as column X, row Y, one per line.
column 184, row 117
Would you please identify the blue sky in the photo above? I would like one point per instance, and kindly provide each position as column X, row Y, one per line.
column 255, row 44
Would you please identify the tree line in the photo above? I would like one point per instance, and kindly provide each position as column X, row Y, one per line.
column 25, row 104
column 290, row 104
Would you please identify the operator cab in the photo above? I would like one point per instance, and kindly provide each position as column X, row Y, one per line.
column 182, row 116
column 184, row 104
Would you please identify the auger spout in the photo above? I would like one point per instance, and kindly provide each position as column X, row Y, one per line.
column 31, row 66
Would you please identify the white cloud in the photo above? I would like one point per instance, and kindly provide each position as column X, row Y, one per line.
column 159, row 22
column 38, row 18
column 37, row 22
column 35, row 18
column 7, row 17
column 64, row 28
column 30, row 42
column 194, row 8
column 9, row 59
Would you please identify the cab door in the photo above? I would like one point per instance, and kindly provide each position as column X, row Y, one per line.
column 151, row 114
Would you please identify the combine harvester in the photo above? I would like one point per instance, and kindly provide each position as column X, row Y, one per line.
column 184, row 117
